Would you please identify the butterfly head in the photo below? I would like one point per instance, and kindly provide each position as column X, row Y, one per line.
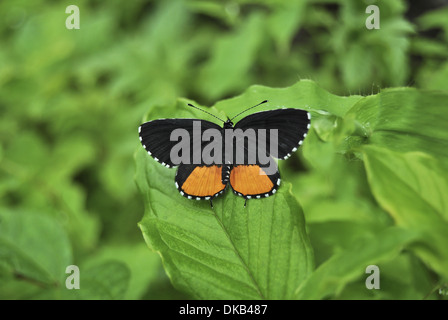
column 228, row 124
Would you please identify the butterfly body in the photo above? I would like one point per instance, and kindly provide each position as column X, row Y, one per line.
column 245, row 169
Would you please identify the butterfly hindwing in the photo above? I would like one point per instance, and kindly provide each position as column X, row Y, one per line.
column 292, row 126
column 155, row 136
column 252, row 181
column 199, row 182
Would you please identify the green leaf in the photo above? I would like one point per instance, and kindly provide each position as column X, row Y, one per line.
column 228, row 252
column 284, row 22
column 342, row 268
column 108, row 280
column 34, row 247
column 143, row 265
column 435, row 76
column 232, row 56
column 430, row 48
column 412, row 188
column 401, row 278
column 435, row 19
column 405, row 119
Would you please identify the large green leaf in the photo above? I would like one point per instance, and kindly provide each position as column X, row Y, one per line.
column 412, row 187
column 228, row 252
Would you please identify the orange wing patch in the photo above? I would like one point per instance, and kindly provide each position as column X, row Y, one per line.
column 248, row 180
column 204, row 182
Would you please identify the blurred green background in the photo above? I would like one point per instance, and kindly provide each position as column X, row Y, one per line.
column 71, row 102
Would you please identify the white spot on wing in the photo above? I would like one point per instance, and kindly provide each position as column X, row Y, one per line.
column 300, row 142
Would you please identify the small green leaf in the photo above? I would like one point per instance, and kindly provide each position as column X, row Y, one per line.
column 435, row 19
column 34, row 247
column 143, row 265
column 108, row 280
column 284, row 21
column 232, row 56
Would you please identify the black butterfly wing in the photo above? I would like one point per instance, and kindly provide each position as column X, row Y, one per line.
column 155, row 136
column 292, row 126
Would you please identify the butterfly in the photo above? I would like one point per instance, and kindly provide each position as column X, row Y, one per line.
column 202, row 180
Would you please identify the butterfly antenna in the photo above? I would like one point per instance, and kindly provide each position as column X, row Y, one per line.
column 249, row 109
column 190, row 105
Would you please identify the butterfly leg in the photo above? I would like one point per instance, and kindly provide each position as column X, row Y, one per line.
column 245, row 202
column 211, row 203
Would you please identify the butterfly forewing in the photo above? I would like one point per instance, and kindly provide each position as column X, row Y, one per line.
column 155, row 137
column 292, row 126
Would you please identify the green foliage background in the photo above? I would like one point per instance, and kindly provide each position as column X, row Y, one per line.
column 368, row 186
